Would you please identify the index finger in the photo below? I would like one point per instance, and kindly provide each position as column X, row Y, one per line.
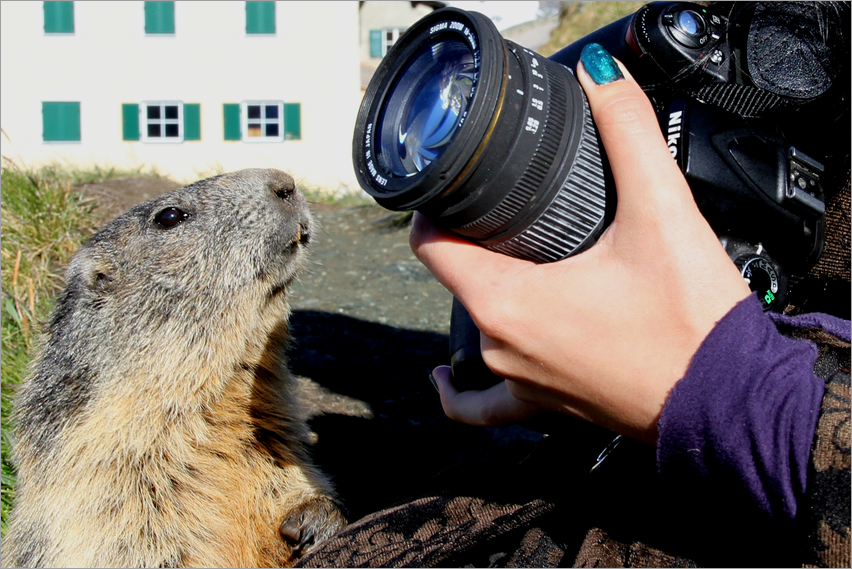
column 642, row 166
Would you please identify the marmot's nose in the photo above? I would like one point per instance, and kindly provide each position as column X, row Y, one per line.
column 282, row 186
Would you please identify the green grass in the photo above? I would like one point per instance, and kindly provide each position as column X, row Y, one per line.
column 44, row 221
column 318, row 194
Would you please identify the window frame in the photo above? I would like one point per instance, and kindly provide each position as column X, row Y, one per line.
column 261, row 121
column 395, row 33
column 384, row 46
column 145, row 122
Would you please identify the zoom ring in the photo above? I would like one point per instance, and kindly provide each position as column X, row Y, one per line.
column 575, row 212
column 530, row 182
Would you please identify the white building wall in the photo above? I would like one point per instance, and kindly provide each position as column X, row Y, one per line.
column 312, row 59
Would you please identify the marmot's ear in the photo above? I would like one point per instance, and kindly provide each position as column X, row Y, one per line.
column 94, row 267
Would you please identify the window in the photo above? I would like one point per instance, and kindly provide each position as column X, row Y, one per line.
column 263, row 121
column 161, row 121
column 382, row 40
column 60, row 121
column 59, row 17
column 260, row 17
column 159, row 17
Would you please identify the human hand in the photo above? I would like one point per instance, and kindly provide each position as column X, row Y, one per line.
column 606, row 334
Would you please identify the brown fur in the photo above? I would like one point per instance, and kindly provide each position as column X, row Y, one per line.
column 157, row 427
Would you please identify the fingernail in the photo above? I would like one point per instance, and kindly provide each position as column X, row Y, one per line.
column 599, row 64
column 432, row 379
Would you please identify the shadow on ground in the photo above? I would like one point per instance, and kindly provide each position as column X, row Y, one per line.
column 381, row 432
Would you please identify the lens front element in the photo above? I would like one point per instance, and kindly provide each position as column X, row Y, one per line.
column 488, row 139
column 425, row 106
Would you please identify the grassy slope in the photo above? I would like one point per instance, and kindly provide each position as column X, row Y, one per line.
column 44, row 220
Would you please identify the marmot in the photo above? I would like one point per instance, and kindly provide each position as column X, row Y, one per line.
column 158, row 425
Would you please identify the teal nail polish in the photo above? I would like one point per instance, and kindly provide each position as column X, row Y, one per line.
column 599, row 64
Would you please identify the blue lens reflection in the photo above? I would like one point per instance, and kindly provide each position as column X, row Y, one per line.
column 689, row 22
column 421, row 116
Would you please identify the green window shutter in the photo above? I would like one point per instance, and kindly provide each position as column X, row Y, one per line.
column 59, row 17
column 232, row 121
column 375, row 43
column 260, row 17
column 191, row 121
column 292, row 121
column 60, row 121
column 129, row 121
column 159, row 17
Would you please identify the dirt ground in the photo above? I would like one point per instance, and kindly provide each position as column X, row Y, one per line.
column 368, row 322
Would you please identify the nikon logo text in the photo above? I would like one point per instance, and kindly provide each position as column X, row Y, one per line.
column 673, row 135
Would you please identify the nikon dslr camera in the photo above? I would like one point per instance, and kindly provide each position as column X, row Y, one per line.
column 496, row 143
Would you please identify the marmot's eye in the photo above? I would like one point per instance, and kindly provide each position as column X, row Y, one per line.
column 170, row 217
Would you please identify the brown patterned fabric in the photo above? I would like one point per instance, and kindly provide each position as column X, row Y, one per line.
column 426, row 532
column 835, row 260
column 549, row 511
column 829, row 485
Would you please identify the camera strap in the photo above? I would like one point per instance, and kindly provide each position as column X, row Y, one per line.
column 743, row 100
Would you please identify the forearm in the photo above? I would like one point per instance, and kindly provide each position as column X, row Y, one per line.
column 742, row 420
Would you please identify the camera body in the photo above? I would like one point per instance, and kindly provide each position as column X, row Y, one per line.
column 725, row 127
column 496, row 143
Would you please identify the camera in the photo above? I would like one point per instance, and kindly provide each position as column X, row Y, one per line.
column 496, row 143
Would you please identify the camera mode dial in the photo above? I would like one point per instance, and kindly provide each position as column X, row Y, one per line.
column 761, row 278
column 761, row 272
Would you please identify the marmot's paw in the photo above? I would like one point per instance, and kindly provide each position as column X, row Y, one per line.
column 315, row 520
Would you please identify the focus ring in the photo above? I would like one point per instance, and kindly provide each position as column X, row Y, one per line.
column 575, row 213
column 530, row 182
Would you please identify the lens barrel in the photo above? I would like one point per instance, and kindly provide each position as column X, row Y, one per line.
column 490, row 140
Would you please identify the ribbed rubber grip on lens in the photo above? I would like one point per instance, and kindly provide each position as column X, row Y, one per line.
column 575, row 213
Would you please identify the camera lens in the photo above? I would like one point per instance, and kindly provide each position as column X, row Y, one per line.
column 490, row 140
column 421, row 117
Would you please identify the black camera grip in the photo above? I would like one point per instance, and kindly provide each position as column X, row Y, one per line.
column 469, row 370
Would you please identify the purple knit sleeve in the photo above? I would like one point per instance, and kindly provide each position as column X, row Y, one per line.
column 742, row 421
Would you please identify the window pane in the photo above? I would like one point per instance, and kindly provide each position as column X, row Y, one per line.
column 272, row 111
column 254, row 130
column 172, row 112
column 172, row 131
column 254, row 111
column 154, row 131
column 153, row 112
column 272, row 129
